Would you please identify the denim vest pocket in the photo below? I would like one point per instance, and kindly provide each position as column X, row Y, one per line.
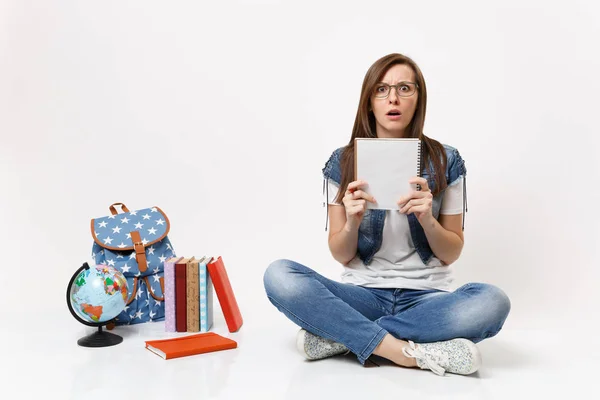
column 371, row 229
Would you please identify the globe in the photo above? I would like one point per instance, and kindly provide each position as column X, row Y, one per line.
column 95, row 296
column 99, row 293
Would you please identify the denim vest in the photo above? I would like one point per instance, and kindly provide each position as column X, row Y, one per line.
column 370, row 232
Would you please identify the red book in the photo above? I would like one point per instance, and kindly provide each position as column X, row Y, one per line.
column 220, row 280
column 181, row 295
column 190, row 345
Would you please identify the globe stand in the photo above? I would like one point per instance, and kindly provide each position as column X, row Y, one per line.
column 100, row 338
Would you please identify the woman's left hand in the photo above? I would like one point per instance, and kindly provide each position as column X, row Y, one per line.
column 418, row 201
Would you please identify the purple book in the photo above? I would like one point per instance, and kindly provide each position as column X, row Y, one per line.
column 170, row 321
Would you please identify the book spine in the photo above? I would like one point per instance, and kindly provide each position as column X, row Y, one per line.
column 209, row 301
column 193, row 317
column 222, row 285
column 180, row 297
column 170, row 297
column 204, row 307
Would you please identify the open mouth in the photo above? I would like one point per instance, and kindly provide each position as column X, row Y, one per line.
column 394, row 114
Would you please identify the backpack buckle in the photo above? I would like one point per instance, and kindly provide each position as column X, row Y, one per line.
column 140, row 251
column 139, row 248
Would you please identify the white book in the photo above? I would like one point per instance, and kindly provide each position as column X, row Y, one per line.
column 387, row 165
column 206, row 296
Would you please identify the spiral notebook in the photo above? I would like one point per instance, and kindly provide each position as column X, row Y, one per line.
column 387, row 165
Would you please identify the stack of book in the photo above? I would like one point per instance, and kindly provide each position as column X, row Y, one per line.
column 189, row 283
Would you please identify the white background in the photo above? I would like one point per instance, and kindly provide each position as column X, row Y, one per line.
column 224, row 113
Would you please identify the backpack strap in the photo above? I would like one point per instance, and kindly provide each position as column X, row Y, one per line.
column 140, row 251
column 133, row 292
column 151, row 291
column 113, row 211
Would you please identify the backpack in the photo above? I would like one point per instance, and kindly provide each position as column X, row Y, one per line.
column 136, row 244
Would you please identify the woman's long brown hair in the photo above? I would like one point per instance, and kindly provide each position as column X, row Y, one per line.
column 433, row 153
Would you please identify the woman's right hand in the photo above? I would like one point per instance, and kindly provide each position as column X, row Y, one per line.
column 355, row 202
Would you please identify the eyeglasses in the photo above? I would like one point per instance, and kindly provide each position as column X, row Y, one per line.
column 403, row 89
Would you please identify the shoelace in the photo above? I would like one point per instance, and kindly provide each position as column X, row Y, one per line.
column 431, row 360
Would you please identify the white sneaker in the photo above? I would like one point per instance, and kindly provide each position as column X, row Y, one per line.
column 314, row 347
column 457, row 356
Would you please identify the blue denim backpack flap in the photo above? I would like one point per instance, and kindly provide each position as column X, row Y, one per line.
column 135, row 243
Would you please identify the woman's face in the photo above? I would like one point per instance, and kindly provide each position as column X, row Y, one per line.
column 393, row 113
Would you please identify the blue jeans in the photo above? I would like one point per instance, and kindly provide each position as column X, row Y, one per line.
column 359, row 317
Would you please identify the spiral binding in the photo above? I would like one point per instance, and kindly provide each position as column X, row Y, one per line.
column 419, row 163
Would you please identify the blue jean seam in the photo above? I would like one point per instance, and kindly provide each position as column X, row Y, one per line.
column 366, row 353
column 319, row 330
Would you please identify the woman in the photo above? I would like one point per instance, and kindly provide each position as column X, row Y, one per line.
column 393, row 299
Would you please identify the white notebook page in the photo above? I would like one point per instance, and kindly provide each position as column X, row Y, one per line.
column 387, row 165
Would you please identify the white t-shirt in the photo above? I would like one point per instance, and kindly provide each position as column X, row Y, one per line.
column 397, row 264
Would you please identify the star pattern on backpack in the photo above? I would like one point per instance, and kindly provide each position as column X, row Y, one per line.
column 114, row 246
